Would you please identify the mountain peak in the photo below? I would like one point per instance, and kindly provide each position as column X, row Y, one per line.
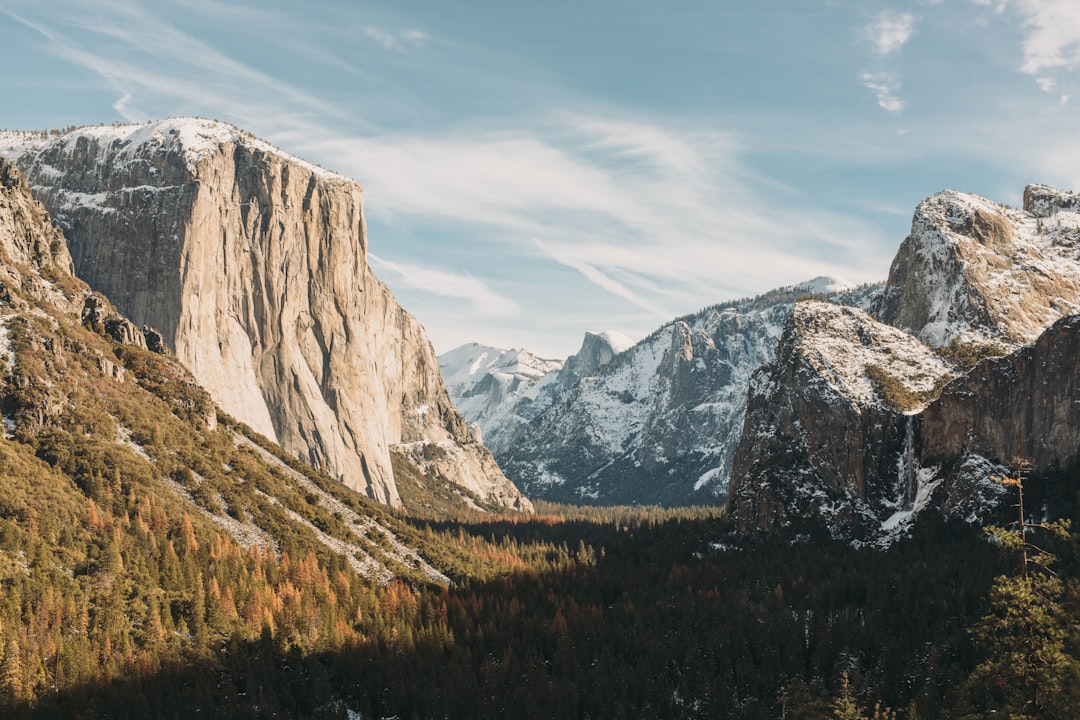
column 824, row 285
column 597, row 349
column 976, row 270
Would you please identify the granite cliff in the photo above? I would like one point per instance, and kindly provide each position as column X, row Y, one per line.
column 828, row 422
column 973, row 270
column 253, row 266
column 972, row 377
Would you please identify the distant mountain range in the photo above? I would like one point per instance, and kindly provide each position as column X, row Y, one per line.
column 857, row 407
column 655, row 422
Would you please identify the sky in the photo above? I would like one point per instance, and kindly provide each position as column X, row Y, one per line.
column 536, row 170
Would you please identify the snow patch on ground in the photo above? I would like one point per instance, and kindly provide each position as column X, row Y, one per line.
column 7, row 352
column 124, row 438
column 246, row 534
column 708, row 478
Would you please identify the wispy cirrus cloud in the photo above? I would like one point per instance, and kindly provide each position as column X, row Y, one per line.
column 459, row 286
column 144, row 56
column 631, row 207
column 398, row 40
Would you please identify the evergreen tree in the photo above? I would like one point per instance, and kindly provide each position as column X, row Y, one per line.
column 844, row 706
column 1029, row 670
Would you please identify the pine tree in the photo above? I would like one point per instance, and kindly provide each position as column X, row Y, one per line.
column 1029, row 671
column 844, row 706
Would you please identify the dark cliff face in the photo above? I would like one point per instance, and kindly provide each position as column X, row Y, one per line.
column 815, row 451
column 824, row 439
column 1024, row 405
column 974, row 278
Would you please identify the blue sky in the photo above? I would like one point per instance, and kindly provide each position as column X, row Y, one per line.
column 536, row 170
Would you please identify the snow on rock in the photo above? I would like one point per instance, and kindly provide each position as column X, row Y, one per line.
column 659, row 421
column 497, row 389
column 828, row 431
column 973, row 270
column 825, row 440
column 194, row 138
column 844, row 345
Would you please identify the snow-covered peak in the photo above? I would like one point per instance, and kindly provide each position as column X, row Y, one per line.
column 195, row 138
column 597, row 350
column 973, row 270
column 466, row 365
column 1043, row 201
column 824, row 285
column 615, row 340
column 856, row 354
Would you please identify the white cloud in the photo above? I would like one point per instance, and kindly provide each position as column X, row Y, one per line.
column 631, row 207
column 396, row 40
column 483, row 299
column 890, row 31
column 885, row 87
column 1052, row 34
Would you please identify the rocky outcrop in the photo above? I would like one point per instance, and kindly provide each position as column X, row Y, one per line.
column 597, row 350
column 659, row 422
column 32, row 249
column 864, row 457
column 253, row 266
column 976, row 271
column 828, row 424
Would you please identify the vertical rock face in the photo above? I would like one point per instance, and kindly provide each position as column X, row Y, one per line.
column 1024, row 405
column 597, row 350
column 826, row 432
column 975, row 270
column 253, row 265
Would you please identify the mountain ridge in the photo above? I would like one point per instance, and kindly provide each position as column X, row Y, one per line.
column 590, row 441
column 988, row 290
